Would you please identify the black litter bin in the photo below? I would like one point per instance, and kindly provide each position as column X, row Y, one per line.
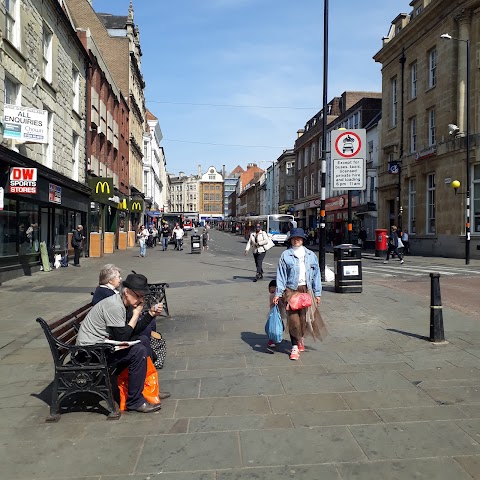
column 348, row 268
column 196, row 244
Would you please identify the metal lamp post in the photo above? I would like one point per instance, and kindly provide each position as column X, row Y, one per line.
column 446, row 36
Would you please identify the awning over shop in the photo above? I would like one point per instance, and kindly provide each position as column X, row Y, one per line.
column 154, row 214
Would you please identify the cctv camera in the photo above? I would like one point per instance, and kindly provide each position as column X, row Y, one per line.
column 452, row 129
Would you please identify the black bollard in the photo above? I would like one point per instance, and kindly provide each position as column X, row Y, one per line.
column 436, row 314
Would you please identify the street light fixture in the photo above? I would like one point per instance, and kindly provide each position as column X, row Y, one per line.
column 447, row 36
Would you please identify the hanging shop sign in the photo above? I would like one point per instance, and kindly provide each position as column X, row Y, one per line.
column 54, row 193
column 136, row 205
column 25, row 124
column 23, row 180
column 102, row 187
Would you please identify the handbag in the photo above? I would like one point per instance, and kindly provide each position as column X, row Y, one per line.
column 400, row 244
column 150, row 389
column 269, row 244
column 159, row 347
column 274, row 325
column 298, row 301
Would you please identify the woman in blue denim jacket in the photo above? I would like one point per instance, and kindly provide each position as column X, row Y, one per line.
column 298, row 271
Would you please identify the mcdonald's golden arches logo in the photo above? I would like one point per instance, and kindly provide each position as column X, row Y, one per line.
column 136, row 205
column 101, row 186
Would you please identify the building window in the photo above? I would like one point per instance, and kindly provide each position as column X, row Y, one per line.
column 312, row 183
column 305, row 186
column 12, row 92
column 289, row 169
column 299, row 189
column 432, row 140
column 431, row 203
column 320, row 152
column 299, row 159
column 48, row 147
column 312, row 155
column 145, row 182
column 370, row 151
column 412, row 196
column 306, row 154
column 356, row 120
column 394, row 102
column 432, row 67
column 290, row 192
column 76, row 155
column 47, row 54
column 76, row 89
column 413, row 134
column 12, row 22
column 413, row 80
column 211, row 177
column 476, row 199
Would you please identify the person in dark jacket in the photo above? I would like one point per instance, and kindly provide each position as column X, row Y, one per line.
column 108, row 284
column 77, row 244
column 108, row 319
column 393, row 245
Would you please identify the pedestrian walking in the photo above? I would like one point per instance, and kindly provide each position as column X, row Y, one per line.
column 77, row 244
column 205, row 239
column 393, row 245
column 165, row 236
column 142, row 236
column 177, row 235
column 406, row 242
column 300, row 288
column 362, row 236
column 256, row 242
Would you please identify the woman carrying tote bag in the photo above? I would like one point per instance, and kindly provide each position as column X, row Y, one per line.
column 299, row 284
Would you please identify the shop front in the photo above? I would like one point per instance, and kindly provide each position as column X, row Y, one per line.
column 108, row 217
column 306, row 213
column 38, row 205
column 336, row 211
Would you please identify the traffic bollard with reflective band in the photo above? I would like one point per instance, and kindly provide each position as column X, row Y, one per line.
column 437, row 334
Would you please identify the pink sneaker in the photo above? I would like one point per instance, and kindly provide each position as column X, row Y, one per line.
column 271, row 344
column 301, row 345
column 295, row 354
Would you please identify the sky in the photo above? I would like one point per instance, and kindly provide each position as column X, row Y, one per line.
column 231, row 81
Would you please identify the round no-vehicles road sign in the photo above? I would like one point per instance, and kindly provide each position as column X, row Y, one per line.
column 348, row 144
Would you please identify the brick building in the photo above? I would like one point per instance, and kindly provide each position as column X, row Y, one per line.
column 211, row 196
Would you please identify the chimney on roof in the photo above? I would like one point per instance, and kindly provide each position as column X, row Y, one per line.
column 224, row 171
column 300, row 132
column 181, row 174
column 251, row 165
column 199, row 170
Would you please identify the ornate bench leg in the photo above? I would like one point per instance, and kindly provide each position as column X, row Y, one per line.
column 55, row 405
column 115, row 414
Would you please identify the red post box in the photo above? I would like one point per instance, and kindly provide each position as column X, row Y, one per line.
column 380, row 242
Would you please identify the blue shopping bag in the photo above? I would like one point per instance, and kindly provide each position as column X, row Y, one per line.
column 274, row 325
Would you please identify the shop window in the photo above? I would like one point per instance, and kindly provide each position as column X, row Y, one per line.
column 476, row 199
column 8, row 228
column 60, row 229
column 28, row 228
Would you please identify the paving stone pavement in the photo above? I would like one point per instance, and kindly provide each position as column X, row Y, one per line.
column 375, row 400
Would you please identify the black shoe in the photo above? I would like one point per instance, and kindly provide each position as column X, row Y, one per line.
column 147, row 408
column 165, row 395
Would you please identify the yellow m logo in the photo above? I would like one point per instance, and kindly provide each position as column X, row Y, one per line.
column 103, row 186
column 136, row 206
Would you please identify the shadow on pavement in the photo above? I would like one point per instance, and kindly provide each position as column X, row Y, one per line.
column 409, row 334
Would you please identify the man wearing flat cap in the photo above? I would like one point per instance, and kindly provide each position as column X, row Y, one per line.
column 108, row 319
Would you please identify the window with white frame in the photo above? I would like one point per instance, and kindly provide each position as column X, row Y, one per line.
column 306, row 155
column 299, row 189
column 76, row 89
column 12, row 22
column 413, row 80
column 290, row 192
column 432, row 139
column 312, row 183
column 412, row 198
column 350, row 122
column 48, row 147
column 299, row 159
column 47, row 53
column 289, row 169
column 432, row 67
column 356, row 120
column 12, row 92
column 476, row 199
column 413, row 134
column 145, row 181
column 312, row 153
column 75, row 155
column 394, row 101
column 305, row 186
column 320, row 152
column 431, row 203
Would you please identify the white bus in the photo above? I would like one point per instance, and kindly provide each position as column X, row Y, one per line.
column 275, row 225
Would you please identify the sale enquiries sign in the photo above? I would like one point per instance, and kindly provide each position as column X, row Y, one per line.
column 348, row 154
column 23, row 180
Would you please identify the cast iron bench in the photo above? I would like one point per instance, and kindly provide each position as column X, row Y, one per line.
column 78, row 369
column 158, row 295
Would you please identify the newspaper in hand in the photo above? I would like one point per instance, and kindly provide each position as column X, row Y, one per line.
column 120, row 345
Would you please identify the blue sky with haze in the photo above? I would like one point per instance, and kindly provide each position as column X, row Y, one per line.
column 246, row 55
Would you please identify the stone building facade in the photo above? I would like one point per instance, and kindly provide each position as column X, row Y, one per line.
column 424, row 90
column 43, row 66
column 211, row 196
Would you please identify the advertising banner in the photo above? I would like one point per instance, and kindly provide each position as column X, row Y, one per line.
column 25, row 124
column 23, row 180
